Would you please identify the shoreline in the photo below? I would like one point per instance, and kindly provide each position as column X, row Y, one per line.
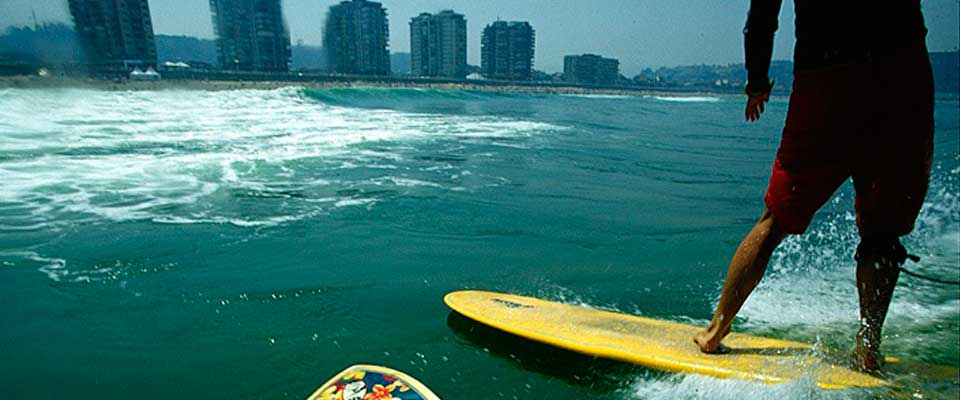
column 36, row 82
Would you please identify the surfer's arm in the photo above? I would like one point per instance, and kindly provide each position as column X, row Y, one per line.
column 758, row 43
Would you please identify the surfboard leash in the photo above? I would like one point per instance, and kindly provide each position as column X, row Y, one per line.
column 900, row 255
column 928, row 278
column 916, row 259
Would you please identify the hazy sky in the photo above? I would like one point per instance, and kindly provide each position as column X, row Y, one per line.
column 641, row 33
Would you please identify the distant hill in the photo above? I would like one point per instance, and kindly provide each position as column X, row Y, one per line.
column 726, row 76
column 48, row 44
column 308, row 57
column 185, row 48
column 400, row 63
column 946, row 72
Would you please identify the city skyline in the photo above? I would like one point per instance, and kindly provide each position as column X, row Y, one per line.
column 507, row 50
column 591, row 69
column 356, row 38
column 115, row 35
column 645, row 34
column 251, row 35
column 438, row 45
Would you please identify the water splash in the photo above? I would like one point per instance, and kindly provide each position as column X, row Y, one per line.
column 695, row 387
column 810, row 291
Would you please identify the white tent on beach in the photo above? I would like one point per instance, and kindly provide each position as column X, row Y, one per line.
column 149, row 75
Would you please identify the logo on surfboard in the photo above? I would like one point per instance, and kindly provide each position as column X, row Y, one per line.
column 510, row 304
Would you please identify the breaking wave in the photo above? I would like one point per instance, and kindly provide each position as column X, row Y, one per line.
column 173, row 156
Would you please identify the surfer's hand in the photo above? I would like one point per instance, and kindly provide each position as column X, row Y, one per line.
column 755, row 106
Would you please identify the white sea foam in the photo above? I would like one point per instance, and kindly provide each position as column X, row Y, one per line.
column 404, row 182
column 687, row 99
column 245, row 223
column 80, row 155
column 55, row 268
column 354, row 202
column 695, row 387
column 599, row 96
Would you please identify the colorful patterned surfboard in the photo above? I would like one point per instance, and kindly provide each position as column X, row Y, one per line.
column 369, row 382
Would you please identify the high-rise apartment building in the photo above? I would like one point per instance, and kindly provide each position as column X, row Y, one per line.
column 507, row 51
column 116, row 35
column 356, row 36
column 251, row 35
column 591, row 69
column 438, row 45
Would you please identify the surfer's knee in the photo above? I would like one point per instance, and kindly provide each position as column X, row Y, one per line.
column 882, row 251
column 771, row 226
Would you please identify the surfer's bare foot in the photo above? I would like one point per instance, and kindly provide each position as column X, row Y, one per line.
column 877, row 276
column 866, row 357
column 709, row 342
column 746, row 269
column 868, row 361
column 703, row 341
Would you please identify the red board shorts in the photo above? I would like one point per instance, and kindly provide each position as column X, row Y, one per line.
column 869, row 121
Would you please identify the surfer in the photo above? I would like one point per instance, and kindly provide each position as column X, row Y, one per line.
column 861, row 107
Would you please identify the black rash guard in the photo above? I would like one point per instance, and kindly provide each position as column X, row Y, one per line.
column 831, row 32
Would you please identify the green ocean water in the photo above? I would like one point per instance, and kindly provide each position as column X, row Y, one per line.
column 250, row 244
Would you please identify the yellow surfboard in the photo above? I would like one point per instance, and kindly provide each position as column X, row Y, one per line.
column 651, row 343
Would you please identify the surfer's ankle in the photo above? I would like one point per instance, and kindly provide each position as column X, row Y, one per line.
column 706, row 342
column 869, row 365
column 867, row 360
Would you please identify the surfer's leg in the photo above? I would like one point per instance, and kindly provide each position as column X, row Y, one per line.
column 746, row 269
column 888, row 202
column 878, row 268
column 891, row 177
